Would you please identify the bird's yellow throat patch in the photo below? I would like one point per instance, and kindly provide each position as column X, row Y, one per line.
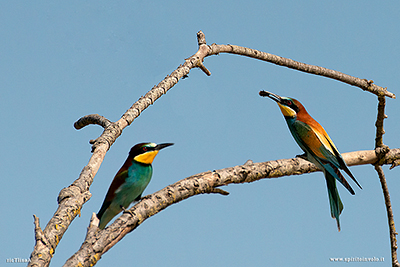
column 286, row 111
column 146, row 158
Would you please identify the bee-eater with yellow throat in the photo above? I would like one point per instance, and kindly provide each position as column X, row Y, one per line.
column 318, row 147
column 130, row 181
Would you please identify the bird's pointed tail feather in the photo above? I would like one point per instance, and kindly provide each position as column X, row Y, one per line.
column 334, row 198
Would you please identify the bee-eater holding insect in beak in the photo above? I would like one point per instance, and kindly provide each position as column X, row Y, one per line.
column 130, row 181
column 318, row 147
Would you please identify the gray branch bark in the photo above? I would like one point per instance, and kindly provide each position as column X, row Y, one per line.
column 72, row 198
column 99, row 242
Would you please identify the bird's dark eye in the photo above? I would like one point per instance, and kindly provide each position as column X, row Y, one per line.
column 288, row 102
column 144, row 149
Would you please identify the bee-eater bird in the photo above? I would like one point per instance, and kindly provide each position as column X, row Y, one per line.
column 130, row 181
column 318, row 148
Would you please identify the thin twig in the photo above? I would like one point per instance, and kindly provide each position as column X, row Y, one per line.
column 379, row 122
column 92, row 119
column 392, row 228
column 381, row 151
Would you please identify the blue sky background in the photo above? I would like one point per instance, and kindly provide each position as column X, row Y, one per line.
column 63, row 60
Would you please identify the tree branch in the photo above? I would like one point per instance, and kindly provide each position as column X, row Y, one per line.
column 207, row 182
column 367, row 85
column 381, row 150
column 392, row 228
column 379, row 122
column 92, row 119
column 72, row 198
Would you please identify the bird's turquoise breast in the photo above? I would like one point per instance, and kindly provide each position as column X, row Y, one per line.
column 299, row 130
column 139, row 176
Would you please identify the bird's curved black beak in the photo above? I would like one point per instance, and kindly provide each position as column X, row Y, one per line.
column 273, row 96
column 161, row 146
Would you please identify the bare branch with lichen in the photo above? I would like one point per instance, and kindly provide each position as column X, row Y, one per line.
column 98, row 243
column 72, row 198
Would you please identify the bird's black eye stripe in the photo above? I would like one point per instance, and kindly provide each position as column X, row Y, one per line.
column 147, row 149
column 288, row 102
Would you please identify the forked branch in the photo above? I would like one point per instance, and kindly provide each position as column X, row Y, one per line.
column 95, row 245
column 364, row 84
column 72, row 198
column 381, row 151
